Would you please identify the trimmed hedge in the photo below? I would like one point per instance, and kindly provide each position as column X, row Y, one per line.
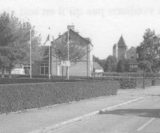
column 25, row 96
column 33, row 80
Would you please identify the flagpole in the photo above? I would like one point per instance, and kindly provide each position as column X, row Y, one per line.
column 49, row 61
column 68, row 56
column 49, row 67
column 30, row 53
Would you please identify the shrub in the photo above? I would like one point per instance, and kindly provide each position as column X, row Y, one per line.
column 127, row 83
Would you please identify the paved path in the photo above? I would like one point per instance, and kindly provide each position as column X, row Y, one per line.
column 32, row 120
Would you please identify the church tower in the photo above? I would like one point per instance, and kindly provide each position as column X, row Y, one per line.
column 119, row 49
column 115, row 50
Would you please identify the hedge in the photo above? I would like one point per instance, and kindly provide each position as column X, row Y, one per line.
column 28, row 80
column 138, row 82
column 25, row 96
column 127, row 83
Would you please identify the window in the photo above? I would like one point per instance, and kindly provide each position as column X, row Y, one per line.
column 27, row 69
column 44, row 69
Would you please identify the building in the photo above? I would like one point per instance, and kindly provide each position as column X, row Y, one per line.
column 97, row 69
column 80, row 54
column 119, row 49
column 70, row 45
column 120, row 52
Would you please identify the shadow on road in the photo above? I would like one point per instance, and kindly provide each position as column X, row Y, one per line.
column 136, row 112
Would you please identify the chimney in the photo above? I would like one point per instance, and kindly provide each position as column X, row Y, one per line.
column 70, row 27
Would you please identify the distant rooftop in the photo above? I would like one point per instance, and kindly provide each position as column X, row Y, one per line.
column 114, row 46
column 121, row 42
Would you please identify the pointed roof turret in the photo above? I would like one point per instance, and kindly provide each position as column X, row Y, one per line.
column 121, row 42
column 114, row 46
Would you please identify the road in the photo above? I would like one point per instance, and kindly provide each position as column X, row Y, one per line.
column 130, row 111
column 142, row 116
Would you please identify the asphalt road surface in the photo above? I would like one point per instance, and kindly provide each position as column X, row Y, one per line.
column 142, row 116
column 131, row 111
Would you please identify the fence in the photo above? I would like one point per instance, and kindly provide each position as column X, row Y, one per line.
column 131, row 80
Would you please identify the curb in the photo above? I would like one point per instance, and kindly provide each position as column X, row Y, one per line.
column 55, row 105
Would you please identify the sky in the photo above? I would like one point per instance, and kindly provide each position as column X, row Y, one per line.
column 103, row 21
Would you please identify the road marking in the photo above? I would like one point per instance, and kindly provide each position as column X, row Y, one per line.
column 53, row 127
column 115, row 106
column 145, row 124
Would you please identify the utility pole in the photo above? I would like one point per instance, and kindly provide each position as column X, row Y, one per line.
column 30, row 33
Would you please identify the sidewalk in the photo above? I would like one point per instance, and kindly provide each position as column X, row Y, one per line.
column 25, row 122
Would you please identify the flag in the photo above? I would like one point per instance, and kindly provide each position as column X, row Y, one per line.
column 48, row 39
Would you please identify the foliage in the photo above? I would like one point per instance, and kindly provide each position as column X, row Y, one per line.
column 122, row 66
column 78, row 46
column 25, row 96
column 145, row 65
column 110, row 64
column 131, row 53
column 127, row 83
column 149, row 52
column 14, row 41
column 137, row 83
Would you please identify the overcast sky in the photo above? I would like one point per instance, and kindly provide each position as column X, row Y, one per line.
column 103, row 21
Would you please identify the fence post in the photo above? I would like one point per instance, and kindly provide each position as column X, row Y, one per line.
column 143, row 80
column 153, row 80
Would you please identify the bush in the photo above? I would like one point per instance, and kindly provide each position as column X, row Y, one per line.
column 25, row 96
column 127, row 83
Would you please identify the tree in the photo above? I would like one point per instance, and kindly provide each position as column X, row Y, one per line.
column 14, row 41
column 122, row 66
column 145, row 65
column 78, row 46
column 149, row 52
column 131, row 53
column 110, row 64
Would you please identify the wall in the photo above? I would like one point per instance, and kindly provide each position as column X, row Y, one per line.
column 121, row 53
column 36, row 68
column 84, row 67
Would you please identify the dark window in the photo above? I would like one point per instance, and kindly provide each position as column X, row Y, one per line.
column 44, row 69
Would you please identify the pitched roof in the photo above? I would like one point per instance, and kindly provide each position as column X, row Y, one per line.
column 114, row 46
column 77, row 45
column 96, row 65
column 121, row 42
column 74, row 36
